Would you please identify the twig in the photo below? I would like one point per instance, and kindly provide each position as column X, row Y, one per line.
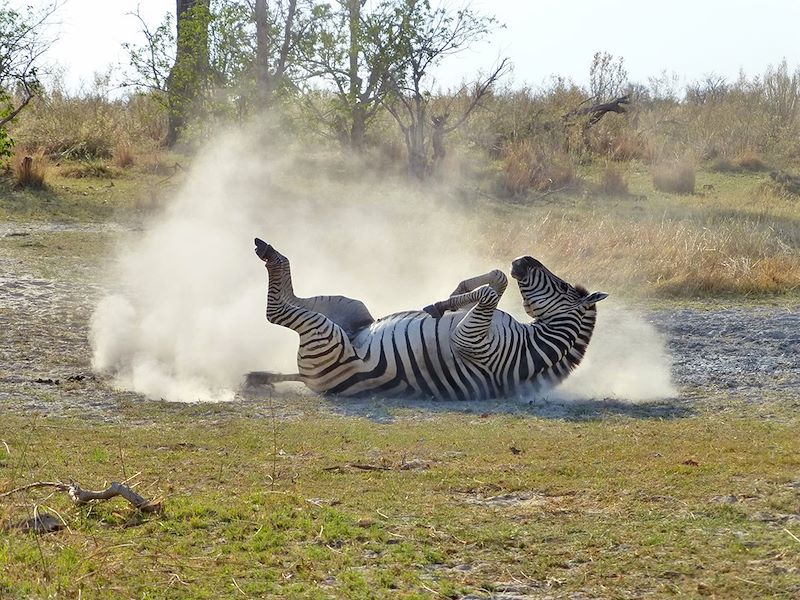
column 236, row 585
column 793, row 536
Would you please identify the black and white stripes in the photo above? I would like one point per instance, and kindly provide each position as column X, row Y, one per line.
column 460, row 348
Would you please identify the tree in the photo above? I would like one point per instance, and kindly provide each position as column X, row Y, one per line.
column 233, row 60
column 427, row 36
column 281, row 27
column 21, row 45
column 186, row 78
column 357, row 51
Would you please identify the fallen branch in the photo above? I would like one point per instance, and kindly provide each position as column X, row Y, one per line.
column 80, row 496
column 598, row 111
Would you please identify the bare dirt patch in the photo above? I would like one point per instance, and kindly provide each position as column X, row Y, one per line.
column 45, row 361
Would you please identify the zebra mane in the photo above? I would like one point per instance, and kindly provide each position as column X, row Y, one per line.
column 581, row 290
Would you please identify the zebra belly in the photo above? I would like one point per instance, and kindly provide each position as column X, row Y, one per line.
column 410, row 355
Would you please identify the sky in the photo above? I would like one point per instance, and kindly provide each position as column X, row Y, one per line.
column 691, row 38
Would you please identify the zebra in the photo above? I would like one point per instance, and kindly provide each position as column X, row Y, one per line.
column 460, row 348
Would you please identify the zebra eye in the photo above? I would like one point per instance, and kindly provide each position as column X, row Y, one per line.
column 562, row 287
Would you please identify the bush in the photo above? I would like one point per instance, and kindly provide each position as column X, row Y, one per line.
column 87, row 168
column 524, row 167
column 746, row 160
column 29, row 171
column 676, row 178
column 612, row 182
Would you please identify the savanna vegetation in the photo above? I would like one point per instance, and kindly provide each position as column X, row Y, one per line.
column 678, row 194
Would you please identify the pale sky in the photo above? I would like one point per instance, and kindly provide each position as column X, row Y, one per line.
column 692, row 38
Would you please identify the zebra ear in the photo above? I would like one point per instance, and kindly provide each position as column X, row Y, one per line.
column 593, row 298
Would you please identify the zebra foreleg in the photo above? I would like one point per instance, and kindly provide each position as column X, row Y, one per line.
column 459, row 298
column 495, row 279
column 485, row 294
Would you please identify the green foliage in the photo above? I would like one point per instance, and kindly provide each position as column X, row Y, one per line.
column 20, row 47
column 151, row 61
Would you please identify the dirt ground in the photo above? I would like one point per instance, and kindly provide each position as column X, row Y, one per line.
column 747, row 352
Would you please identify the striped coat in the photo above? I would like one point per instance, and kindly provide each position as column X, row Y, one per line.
column 461, row 348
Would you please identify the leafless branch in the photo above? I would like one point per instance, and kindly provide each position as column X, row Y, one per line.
column 80, row 496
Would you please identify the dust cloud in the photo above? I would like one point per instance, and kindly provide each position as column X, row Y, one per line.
column 186, row 317
column 626, row 360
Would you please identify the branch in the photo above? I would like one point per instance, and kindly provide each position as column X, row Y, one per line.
column 10, row 117
column 598, row 111
column 80, row 496
column 481, row 89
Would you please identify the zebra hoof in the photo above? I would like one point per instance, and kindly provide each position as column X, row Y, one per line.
column 264, row 251
column 433, row 311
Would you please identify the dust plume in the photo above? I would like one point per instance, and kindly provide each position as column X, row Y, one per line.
column 186, row 318
column 626, row 360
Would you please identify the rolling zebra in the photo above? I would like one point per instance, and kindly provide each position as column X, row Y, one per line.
column 460, row 348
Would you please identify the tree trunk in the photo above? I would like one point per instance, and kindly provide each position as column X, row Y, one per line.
column 262, row 50
column 358, row 125
column 191, row 63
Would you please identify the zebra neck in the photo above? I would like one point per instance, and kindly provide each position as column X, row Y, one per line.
column 569, row 334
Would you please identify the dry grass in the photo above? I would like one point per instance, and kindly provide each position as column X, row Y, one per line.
column 744, row 161
column 29, row 172
column 88, row 126
column 612, row 181
column 123, row 155
column 675, row 178
column 526, row 167
column 686, row 255
column 91, row 167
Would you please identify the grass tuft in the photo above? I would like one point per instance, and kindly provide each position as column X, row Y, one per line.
column 612, row 182
column 675, row 178
column 91, row 167
column 123, row 155
column 29, row 171
column 525, row 167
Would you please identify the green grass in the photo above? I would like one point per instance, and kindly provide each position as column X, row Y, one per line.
column 613, row 506
column 89, row 198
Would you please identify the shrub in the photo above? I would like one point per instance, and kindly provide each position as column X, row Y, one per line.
column 87, row 168
column 676, row 178
column 612, row 182
column 29, row 172
column 524, row 167
column 123, row 155
column 746, row 160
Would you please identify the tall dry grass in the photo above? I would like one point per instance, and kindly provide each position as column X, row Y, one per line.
column 89, row 126
column 29, row 171
column 525, row 167
column 675, row 256
column 675, row 178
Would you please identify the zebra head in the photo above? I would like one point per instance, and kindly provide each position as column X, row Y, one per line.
column 544, row 294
